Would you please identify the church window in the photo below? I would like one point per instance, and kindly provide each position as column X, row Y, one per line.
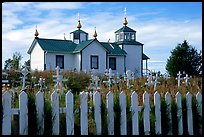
column 76, row 35
column 60, row 61
column 132, row 36
column 112, row 63
column 94, row 62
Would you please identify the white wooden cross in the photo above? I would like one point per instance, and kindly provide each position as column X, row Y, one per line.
column 149, row 80
column 117, row 78
column 58, row 79
column 156, row 82
column 25, row 72
column 186, row 79
column 179, row 78
column 129, row 77
column 110, row 78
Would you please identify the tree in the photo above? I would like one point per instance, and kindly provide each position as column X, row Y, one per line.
column 7, row 64
column 184, row 58
column 14, row 62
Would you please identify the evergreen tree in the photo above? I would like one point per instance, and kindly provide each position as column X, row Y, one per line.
column 184, row 58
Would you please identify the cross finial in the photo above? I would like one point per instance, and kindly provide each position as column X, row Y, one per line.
column 78, row 16
column 125, row 12
column 36, row 32
column 64, row 37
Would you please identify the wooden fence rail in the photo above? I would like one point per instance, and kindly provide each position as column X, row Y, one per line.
column 22, row 111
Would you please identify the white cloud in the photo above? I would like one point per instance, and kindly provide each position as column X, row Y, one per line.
column 59, row 5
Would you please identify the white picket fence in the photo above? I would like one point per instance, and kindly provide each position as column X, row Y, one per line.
column 22, row 111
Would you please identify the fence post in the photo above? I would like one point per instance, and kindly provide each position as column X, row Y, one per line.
column 157, row 105
column 134, row 103
column 199, row 108
column 146, row 113
column 110, row 113
column 40, row 112
column 97, row 111
column 189, row 113
column 69, row 113
column 6, row 122
column 23, row 107
column 83, row 113
column 168, row 102
column 179, row 113
column 123, row 123
column 55, row 113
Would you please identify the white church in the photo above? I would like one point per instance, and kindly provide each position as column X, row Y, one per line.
column 84, row 54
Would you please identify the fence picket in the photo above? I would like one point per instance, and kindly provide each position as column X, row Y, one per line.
column 189, row 113
column 69, row 113
column 157, row 113
column 6, row 121
column 199, row 108
column 55, row 113
column 40, row 112
column 168, row 102
column 97, row 111
column 110, row 113
column 134, row 103
column 146, row 113
column 83, row 113
column 22, row 111
column 23, row 107
column 179, row 113
column 123, row 123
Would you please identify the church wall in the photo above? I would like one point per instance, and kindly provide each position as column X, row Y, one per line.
column 77, row 61
column 134, row 58
column 51, row 61
column 94, row 49
column 37, row 58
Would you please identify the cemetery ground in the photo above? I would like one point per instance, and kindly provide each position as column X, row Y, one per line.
column 78, row 82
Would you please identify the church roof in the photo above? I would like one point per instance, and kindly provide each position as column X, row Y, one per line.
column 129, row 42
column 54, row 45
column 125, row 29
column 82, row 45
column 113, row 49
column 78, row 31
column 144, row 57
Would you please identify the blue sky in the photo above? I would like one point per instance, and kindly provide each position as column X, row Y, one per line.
column 160, row 26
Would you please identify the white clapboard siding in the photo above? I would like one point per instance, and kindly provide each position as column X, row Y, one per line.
column 123, row 121
column 83, row 113
column 168, row 103
column 110, row 113
column 55, row 113
column 146, row 113
column 40, row 112
column 69, row 113
column 179, row 113
column 189, row 113
column 23, row 106
column 134, row 109
column 199, row 108
column 97, row 111
column 157, row 113
column 6, row 122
